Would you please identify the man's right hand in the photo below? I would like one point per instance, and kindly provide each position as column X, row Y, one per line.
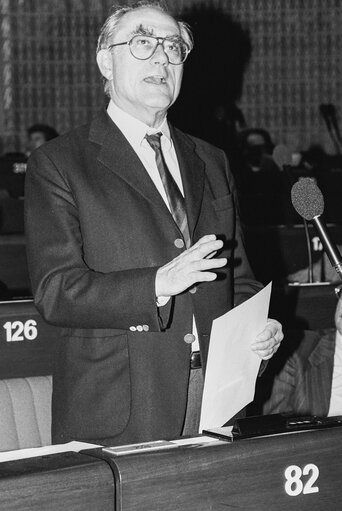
column 190, row 267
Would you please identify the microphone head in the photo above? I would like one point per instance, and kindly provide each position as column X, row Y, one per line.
column 282, row 156
column 307, row 198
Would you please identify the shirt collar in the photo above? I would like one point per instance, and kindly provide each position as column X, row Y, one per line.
column 135, row 130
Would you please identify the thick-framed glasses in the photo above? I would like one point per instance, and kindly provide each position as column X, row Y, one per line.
column 142, row 47
column 338, row 291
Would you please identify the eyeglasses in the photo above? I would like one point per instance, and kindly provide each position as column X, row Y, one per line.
column 142, row 47
column 338, row 291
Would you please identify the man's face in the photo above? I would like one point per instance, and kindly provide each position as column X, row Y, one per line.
column 144, row 88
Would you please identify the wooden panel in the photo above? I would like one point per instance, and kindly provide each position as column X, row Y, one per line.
column 22, row 353
column 246, row 474
column 67, row 481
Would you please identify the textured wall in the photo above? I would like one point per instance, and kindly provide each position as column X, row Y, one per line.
column 296, row 65
column 48, row 71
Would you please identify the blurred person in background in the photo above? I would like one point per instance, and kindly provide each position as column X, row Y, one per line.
column 310, row 381
column 38, row 134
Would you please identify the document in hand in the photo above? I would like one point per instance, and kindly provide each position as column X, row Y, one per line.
column 232, row 366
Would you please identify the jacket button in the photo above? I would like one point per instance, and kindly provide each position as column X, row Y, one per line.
column 179, row 243
column 193, row 290
column 139, row 328
column 132, row 328
column 146, row 328
column 189, row 338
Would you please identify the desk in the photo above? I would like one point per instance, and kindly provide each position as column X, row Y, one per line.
column 246, row 474
column 251, row 475
column 67, row 481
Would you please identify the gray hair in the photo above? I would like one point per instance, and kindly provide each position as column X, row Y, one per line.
column 108, row 28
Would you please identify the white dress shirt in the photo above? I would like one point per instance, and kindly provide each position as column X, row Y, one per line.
column 335, row 407
column 134, row 131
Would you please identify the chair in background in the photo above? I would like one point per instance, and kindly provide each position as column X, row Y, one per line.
column 27, row 347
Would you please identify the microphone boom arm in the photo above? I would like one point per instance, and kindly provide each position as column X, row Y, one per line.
column 328, row 245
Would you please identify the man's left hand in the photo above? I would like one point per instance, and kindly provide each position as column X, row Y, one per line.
column 268, row 341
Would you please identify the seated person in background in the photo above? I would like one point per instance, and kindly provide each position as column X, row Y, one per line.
column 38, row 134
column 256, row 171
column 13, row 164
column 310, row 382
column 256, row 146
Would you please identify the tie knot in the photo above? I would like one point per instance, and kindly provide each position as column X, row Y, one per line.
column 154, row 140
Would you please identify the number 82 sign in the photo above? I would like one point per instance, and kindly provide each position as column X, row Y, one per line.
column 294, row 485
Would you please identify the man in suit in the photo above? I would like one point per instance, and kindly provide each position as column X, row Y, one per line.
column 134, row 268
column 310, row 381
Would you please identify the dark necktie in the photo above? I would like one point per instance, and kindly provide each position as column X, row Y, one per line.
column 174, row 196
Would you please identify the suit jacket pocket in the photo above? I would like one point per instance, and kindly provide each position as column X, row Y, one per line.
column 225, row 202
column 96, row 386
column 91, row 333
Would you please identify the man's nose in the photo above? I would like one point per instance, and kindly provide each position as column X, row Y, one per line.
column 159, row 56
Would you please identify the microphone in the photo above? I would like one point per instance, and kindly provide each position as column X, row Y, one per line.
column 308, row 201
column 282, row 156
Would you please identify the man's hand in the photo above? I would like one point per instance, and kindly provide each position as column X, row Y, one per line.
column 190, row 267
column 268, row 341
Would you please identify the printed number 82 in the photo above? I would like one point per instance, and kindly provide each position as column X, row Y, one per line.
column 294, row 485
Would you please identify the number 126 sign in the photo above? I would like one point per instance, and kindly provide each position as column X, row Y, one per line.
column 19, row 331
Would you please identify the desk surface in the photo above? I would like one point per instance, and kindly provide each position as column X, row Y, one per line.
column 298, row 471
column 67, row 481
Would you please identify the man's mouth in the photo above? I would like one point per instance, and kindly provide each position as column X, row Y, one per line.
column 155, row 80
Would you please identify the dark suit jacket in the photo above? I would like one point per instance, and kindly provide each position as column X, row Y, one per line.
column 303, row 386
column 97, row 231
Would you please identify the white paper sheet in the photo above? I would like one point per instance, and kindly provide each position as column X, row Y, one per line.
column 232, row 366
column 20, row 454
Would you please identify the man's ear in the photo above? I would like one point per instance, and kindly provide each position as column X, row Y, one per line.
column 104, row 61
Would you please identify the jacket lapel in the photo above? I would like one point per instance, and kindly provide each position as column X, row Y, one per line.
column 192, row 172
column 117, row 155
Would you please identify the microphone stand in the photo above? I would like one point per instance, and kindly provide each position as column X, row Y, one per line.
column 309, row 249
column 291, row 181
